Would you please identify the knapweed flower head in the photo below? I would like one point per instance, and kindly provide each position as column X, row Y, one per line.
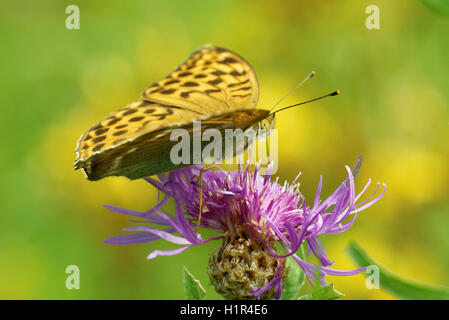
column 261, row 223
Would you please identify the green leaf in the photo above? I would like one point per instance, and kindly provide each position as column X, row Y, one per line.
column 327, row 292
column 305, row 297
column 439, row 6
column 401, row 288
column 302, row 251
column 294, row 281
column 192, row 287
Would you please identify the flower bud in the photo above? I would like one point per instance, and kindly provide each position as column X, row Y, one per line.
column 240, row 265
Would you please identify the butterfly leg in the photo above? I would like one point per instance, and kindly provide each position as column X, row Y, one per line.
column 200, row 192
column 267, row 148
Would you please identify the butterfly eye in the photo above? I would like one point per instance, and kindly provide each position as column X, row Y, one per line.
column 268, row 124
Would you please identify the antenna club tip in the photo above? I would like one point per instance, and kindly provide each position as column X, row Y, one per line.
column 313, row 73
column 335, row 93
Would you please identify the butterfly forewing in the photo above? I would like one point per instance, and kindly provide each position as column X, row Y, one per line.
column 149, row 153
column 133, row 120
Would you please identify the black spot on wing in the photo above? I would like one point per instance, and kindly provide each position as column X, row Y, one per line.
column 212, row 90
column 244, row 89
column 228, row 60
column 190, row 84
column 241, row 95
column 215, row 81
column 96, row 126
column 171, row 82
column 232, row 85
column 135, row 119
column 98, row 147
column 218, row 73
column 101, row 131
column 98, row 139
column 113, row 121
column 168, row 91
column 119, row 133
column 236, row 73
column 130, row 111
column 185, row 94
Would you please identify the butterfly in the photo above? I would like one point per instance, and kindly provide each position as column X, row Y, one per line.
column 214, row 85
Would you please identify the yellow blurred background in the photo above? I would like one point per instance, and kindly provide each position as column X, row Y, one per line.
column 55, row 83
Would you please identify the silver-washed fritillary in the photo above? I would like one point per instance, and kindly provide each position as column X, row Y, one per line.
column 213, row 85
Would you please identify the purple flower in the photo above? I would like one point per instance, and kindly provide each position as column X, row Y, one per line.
column 253, row 213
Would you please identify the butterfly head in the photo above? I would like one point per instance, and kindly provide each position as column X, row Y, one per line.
column 268, row 123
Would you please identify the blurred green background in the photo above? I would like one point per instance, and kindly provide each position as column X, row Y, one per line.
column 55, row 83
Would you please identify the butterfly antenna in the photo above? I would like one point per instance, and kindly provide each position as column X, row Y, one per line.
column 335, row 93
column 310, row 75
